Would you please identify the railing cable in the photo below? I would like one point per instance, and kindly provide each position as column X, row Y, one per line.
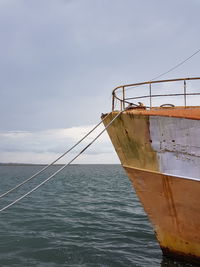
column 63, row 167
column 166, row 72
column 176, row 66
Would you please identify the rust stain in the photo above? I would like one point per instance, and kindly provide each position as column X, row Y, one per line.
column 172, row 205
column 130, row 136
column 170, row 201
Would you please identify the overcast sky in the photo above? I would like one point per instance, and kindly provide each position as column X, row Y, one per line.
column 60, row 60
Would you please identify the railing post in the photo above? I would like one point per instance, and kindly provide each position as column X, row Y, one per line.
column 113, row 101
column 123, row 96
column 150, row 95
column 185, row 93
column 121, row 104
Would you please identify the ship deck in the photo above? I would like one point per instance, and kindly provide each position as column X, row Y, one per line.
column 192, row 112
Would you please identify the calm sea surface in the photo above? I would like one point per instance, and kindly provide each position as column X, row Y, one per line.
column 88, row 215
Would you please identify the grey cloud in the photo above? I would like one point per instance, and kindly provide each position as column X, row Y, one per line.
column 61, row 59
column 52, row 141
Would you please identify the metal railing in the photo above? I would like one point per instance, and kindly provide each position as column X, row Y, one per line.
column 124, row 101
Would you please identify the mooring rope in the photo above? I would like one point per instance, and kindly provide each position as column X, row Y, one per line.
column 176, row 66
column 63, row 167
column 169, row 70
column 52, row 163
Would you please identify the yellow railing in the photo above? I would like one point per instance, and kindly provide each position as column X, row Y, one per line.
column 124, row 100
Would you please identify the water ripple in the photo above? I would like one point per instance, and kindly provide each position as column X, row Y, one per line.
column 88, row 216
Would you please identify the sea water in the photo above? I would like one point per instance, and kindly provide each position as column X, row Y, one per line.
column 88, row 215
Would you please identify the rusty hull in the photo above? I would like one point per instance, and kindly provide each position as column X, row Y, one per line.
column 171, row 201
column 172, row 205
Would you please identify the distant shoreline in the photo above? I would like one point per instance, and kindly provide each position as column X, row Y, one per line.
column 39, row 164
column 26, row 164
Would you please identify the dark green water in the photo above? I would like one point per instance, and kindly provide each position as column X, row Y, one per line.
column 87, row 216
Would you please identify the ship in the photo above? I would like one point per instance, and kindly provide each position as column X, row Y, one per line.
column 157, row 139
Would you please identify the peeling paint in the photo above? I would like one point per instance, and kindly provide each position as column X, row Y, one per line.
column 177, row 143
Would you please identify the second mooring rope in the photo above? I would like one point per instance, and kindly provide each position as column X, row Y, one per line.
column 63, row 167
column 52, row 163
